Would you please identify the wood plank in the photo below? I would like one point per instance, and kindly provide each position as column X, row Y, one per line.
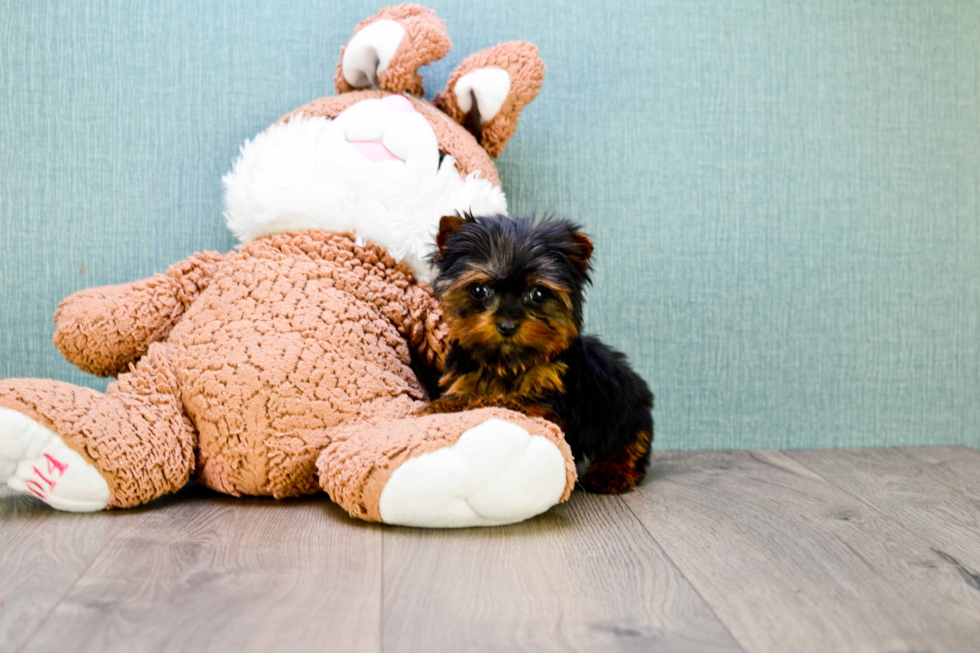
column 42, row 553
column 216, row 573
column 790, row 562
column 932, row 491
column 582, row 577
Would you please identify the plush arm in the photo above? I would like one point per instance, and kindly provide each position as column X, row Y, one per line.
column 428, row 335
column 103, row 330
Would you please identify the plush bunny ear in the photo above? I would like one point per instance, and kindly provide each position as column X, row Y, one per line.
column 387, row 50
column 487, row 92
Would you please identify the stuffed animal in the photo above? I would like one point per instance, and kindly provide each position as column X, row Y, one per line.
column 287, row 366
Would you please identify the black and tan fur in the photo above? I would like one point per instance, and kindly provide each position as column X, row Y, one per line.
column 512, row 292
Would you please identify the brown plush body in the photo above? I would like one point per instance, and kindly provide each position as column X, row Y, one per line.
column 264, row 352
column 251, row 337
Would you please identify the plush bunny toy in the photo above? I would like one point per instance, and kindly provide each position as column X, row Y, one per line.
column 286, row 366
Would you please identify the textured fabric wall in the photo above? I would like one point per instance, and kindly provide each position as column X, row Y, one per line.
column 784, row 194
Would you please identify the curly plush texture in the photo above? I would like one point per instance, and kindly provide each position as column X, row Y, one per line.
column 526, row 71
column 136, row 434
column 293, row 335
column 425, row 41
column 357, row 464
column 102, row 330
column 298, row 333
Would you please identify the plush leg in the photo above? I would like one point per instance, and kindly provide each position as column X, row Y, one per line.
column 477, row 468
column 81, row 450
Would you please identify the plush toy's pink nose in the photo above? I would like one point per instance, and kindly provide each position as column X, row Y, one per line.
column 398, row 103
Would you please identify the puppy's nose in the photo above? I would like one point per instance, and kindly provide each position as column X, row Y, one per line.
column 507, row 327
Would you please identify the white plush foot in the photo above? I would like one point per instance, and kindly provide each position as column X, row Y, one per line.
column 496, row 473
column 34, row 459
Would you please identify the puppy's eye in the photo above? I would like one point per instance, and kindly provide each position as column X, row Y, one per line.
column 481, row 292
column 536, row 296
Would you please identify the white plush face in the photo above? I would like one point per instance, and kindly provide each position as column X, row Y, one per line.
column 374, row 171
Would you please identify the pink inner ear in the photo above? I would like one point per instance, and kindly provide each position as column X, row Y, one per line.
column 374, row 151
column 398, row 103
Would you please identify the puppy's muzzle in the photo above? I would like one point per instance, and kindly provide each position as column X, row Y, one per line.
column 507, row 327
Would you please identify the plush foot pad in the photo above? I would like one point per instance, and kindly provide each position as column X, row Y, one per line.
column 496, row 473
column 34, row 459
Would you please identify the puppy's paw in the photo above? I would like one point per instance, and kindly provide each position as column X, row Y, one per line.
column 610, row 477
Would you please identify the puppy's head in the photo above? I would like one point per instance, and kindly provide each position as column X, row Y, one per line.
column 512, row 289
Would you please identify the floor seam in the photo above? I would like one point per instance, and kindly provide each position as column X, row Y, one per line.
column 871, row 507
column 680, row 571
column 64, row 595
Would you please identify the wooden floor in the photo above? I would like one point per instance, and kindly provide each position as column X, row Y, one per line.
column 827, row 551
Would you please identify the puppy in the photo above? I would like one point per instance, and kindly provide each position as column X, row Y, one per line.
column 512, row 294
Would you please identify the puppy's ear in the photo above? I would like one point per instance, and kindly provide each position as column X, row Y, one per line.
column 448, row 225
column 582, row 252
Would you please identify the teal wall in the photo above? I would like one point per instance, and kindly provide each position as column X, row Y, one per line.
column 784, row 194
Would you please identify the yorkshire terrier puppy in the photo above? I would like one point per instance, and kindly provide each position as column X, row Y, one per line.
column 512, row 294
